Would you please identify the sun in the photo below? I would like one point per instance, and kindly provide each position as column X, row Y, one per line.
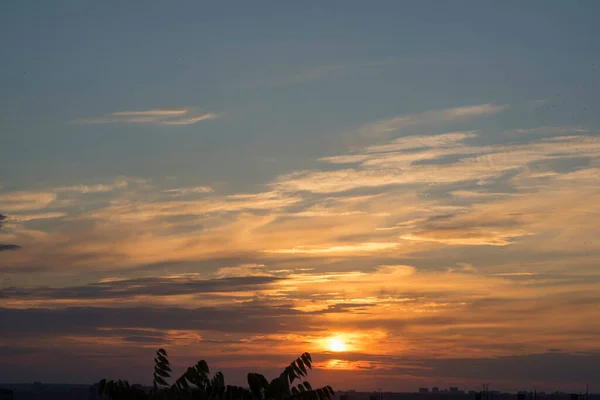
column 337, row 345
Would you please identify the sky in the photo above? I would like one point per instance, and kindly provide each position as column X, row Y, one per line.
column 408, row 190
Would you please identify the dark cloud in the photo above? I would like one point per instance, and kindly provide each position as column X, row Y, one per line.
column 142, row 286
column 356, row 308
column 87, row 320
column 145, row 339
column 460, row 221
column 8, row 351
column 129, row 332
column 5, row 247
column 208, row 265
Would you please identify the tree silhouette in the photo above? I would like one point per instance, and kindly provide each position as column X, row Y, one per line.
column 196, row 383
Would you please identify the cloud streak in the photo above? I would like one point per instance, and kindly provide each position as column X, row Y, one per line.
column 420, row 160
column 127, row 288
column 25, row 200
column 181, row 116
column 189, row 190
column 97, row 188
column 386, row 127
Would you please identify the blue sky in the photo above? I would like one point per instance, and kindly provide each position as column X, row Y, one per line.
column 451, row 146
column 265, row 67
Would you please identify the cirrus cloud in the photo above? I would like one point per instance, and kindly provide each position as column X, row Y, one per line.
column 181, row 116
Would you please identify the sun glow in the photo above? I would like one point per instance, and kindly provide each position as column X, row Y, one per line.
column 337, row 345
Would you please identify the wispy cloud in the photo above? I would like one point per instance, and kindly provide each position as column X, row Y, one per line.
column 190, row 120
column 25, row 200
column 359, row 247
column 34, row 217
column 183, row 116
column 397, row 162
column 97, row 188
column 150, row 113
column 244, row 270
column 137, row 211
column 549, row 130
column 155, row 286
column 189, row 190
column 385, row 127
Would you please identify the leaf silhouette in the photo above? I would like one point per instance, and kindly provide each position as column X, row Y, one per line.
column 160, row 380
column 195, row 383
column 300, row 364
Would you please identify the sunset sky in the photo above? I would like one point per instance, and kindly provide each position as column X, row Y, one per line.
column 408, row 190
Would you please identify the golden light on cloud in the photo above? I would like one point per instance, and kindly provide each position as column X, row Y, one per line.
column 331, row 258
column 338, row 364
column 346, row 365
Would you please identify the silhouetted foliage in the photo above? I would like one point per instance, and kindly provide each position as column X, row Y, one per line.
column 196, row 383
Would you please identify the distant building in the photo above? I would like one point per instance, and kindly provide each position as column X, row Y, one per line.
column 435, row 389
column 344, row 397
column 453, row 389
column 423, row 390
